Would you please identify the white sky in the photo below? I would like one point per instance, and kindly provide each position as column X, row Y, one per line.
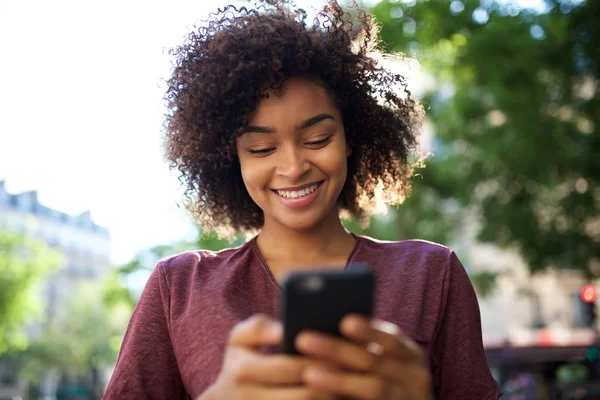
column 81, row 110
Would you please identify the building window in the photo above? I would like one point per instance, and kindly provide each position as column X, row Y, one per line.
column 537, row 319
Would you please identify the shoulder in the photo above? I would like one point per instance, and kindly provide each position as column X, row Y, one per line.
column 201, row 263
column 413, row 245
column 426, row 266
column 411, row 280
column 196, row 257
column 416, row 254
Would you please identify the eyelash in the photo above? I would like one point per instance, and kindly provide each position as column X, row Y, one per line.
column 321, row 141
column 270, row 149
column 261, row 151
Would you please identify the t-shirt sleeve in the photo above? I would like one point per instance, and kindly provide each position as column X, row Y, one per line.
column 146, row 367
column 460, row 369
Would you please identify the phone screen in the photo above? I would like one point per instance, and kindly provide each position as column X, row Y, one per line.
column 318, row 300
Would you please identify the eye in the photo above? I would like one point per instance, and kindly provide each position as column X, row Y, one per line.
column 320, row 141
column 261, row 152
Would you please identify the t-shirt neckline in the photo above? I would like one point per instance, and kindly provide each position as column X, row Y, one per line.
column 270, row 275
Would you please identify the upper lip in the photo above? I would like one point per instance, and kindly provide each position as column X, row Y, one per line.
column 296, row 188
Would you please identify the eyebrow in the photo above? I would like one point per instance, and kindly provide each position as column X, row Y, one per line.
column 303, row 125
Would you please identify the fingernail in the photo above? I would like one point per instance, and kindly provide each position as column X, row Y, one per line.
column 307, row 341
column 277, row 329
column 351, row 324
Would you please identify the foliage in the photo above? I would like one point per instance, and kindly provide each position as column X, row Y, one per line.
column 484, row 282
column 89, row 337
column 24, row 262
column 80, row 346
column 512, row 95
column 515, row 106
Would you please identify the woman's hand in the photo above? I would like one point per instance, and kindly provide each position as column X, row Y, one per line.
column 247, row 373
column 378, row 362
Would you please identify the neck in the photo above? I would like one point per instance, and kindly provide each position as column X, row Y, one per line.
column 326, row 244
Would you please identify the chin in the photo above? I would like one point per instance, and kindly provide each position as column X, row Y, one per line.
column 301, row 226
column 301, row 223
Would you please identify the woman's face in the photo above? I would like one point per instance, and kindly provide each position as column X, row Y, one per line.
column 293, row 156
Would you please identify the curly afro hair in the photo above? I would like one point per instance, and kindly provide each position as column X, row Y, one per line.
column 237, row 57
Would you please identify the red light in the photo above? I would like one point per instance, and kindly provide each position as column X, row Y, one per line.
column 588, row 293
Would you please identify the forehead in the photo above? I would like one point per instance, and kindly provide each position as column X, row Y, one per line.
column 299, row 99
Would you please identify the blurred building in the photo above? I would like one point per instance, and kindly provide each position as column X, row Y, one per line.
column 533, row 325
column 524, row 310
column 84, row 245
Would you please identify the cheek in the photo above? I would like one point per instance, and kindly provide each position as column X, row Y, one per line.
column 247, row 173
column 249, row 177
column 334, row 163
column 254, row 175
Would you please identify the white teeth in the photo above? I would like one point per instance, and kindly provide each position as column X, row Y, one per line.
column 299, row 193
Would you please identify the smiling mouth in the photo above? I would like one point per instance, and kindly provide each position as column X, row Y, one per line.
column 294, row 194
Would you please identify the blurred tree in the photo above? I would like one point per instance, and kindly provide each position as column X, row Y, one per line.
column 81, row 345
column 515, row 108
column 513, row 99
column 23, row 263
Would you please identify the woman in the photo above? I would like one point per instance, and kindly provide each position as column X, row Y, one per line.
column 276, row 127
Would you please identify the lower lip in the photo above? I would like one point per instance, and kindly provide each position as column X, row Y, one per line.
column 297, row 202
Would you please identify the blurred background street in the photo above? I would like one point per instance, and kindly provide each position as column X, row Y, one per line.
column 511, row 183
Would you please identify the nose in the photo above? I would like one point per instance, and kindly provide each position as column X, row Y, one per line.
column 292, row 163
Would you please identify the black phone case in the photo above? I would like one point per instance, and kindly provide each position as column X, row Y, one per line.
column 318, row 300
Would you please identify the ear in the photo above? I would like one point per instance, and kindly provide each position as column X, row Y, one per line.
column 348, row 150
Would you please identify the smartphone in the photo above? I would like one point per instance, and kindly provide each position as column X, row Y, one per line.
column 318, row 300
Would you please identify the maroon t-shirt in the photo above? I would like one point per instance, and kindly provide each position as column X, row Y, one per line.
column 175, row 341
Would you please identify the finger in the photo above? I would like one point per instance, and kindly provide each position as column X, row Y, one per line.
column 356, row 386
column 360, row 386
column 256, row 331
column 338, row 351
column 293, row 393
column 274, row 370
column 393, row 370
column 355, row 357
column 388, row 337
